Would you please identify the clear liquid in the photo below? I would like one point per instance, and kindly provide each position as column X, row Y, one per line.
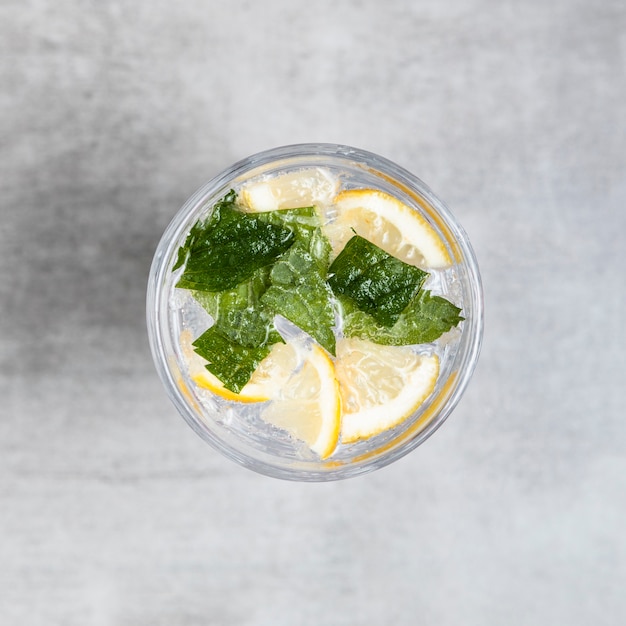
column 236, row 420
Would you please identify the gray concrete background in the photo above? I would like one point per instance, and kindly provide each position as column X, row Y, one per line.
column 112, row 512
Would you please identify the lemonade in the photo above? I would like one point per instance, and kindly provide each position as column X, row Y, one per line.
column 314, row 317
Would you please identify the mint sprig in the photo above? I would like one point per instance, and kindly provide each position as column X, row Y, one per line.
column 245, row 269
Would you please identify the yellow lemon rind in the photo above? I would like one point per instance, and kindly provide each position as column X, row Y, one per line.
column 371, row 205
column 213, row 384
column 289, row 409
column 365, row 417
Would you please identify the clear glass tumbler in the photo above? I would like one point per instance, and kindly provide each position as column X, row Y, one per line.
column 234, row 428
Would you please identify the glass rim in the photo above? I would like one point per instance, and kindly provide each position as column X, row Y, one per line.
column 158, row 323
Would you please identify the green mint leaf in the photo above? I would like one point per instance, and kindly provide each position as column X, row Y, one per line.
column 229, row 247
column 424, row 320
column 300, row 293
column 298, row 289
column 305, row 223
column 238, row 313
column 183, row 251
column 231, row 362
column 377, row 282
column 198, row 228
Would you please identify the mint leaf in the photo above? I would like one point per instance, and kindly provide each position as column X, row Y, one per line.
column 298, row 289
column 231, row 362
column 238, row 313
column 300, row 293
column 305, row 223
column 183, row 251
column 425, row 319
column 377, row 282
column 229, row 247
column 198, row 228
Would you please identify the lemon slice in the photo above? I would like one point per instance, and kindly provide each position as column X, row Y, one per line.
column 388, row 223
column 308, row 405
column 291, row 190
column 381, row 386
column 268, row 377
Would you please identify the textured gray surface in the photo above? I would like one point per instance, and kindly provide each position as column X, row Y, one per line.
column 112, row 512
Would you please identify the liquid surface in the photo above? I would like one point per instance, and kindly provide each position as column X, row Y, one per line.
column 337, row 366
